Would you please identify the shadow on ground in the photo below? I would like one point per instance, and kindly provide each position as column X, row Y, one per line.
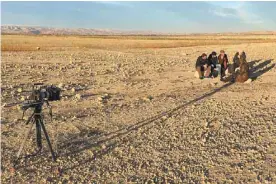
column 76, row 146
column 93, row 139
column 256, row 71
column 260, row 69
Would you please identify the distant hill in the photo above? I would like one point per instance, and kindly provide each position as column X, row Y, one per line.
column 33, row 30
column 37, row 30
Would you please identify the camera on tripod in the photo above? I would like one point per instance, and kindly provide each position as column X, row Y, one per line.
column 40, row 94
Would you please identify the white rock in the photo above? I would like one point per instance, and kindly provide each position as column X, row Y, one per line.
column 248, row 81
column 4, row 105
column 61, row 85
column 196, row 74
column 78, row 96
column 22, row 98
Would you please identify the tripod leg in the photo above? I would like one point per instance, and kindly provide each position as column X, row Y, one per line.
column 48, row 140
column 38, row 134
column 25, row 139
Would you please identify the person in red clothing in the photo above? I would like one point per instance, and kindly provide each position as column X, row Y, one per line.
column 223, row 61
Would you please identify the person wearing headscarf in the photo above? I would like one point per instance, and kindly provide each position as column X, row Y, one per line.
column 243, row 74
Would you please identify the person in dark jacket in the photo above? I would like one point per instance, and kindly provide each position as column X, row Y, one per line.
column 236, row 61
column 243, row 55
column 223, row 61
column 202, row 66
column 213, row 61
column 236, row 64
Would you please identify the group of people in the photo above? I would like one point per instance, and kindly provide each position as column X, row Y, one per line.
column 213, row 65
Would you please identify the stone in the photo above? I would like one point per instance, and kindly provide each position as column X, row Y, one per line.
column 148, row 98
column 105, row 96
column 19, row 90
column 22, row 98
column 103, row 146
column 78, row 96
column 61, row 85
column 18, row 107
column 196, row 75
column 37, row 48
column 248, row 81
column 213, row 84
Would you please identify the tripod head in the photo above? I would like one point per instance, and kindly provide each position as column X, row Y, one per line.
column 32, row 104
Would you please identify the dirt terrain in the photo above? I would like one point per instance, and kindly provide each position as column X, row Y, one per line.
column 134, row 113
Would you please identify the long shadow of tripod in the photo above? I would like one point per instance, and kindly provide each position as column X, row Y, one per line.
column 127, row 130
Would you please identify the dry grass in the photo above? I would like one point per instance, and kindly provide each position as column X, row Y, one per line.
column 51, row 43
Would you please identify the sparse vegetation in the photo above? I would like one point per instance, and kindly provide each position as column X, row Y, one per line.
column 59, row 43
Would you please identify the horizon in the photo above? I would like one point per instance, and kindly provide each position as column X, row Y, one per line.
column 125, row 32
column 158, row 17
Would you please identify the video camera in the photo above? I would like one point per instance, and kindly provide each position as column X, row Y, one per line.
column 40, row 94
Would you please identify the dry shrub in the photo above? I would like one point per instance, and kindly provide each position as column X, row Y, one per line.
column 30, row 43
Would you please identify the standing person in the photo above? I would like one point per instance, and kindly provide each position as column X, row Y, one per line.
column 202, row 66
column 213, row 61
column 223, row 61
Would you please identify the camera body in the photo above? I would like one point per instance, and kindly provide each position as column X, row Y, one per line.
column 49, row 93
column 40, row 94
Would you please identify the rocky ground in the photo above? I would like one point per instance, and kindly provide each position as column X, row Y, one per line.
column 140, row 116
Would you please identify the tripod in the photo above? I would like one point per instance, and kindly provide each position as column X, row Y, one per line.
column 37, row 119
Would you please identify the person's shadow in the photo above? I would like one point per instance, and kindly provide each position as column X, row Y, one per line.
column 260, row 69
column 256, row 71
column 252, row 63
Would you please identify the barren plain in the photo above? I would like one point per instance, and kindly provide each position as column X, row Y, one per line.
column 133, row 112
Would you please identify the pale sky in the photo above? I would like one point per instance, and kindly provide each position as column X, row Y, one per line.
column 174, row 17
